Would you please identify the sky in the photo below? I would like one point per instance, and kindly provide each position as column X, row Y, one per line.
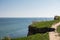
column 29, row 8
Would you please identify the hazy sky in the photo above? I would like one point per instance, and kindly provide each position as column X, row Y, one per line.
column 29, row 8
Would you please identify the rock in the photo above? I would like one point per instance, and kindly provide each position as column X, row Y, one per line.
column 56, row 17
column 34, row 30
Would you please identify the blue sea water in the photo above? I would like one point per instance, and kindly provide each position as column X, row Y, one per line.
column 17, row 27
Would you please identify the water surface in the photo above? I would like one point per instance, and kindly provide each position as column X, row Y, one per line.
column 17, row 27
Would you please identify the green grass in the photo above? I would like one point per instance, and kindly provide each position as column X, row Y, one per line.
column 43, row 24
column 58, row 29
column 35, row 37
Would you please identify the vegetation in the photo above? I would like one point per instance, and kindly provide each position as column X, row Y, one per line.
column 43, row 24
column 57, row 18
column 58, row 29
column 35, row 37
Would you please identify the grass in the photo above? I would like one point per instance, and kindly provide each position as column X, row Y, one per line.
column 58, row 29
column 43, row 24
column 35, row 37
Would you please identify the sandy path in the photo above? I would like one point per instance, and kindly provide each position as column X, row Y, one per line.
column 54, row 35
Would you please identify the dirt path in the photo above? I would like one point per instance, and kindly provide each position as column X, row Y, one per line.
column 54, row 35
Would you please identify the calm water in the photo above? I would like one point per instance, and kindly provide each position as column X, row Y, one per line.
column 16, row 27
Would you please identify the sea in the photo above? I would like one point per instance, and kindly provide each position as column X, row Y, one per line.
column 17, row 27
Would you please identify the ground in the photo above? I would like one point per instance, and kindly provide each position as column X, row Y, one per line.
column 54, row 35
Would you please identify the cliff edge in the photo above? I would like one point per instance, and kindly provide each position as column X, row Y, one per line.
column 42, row 27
